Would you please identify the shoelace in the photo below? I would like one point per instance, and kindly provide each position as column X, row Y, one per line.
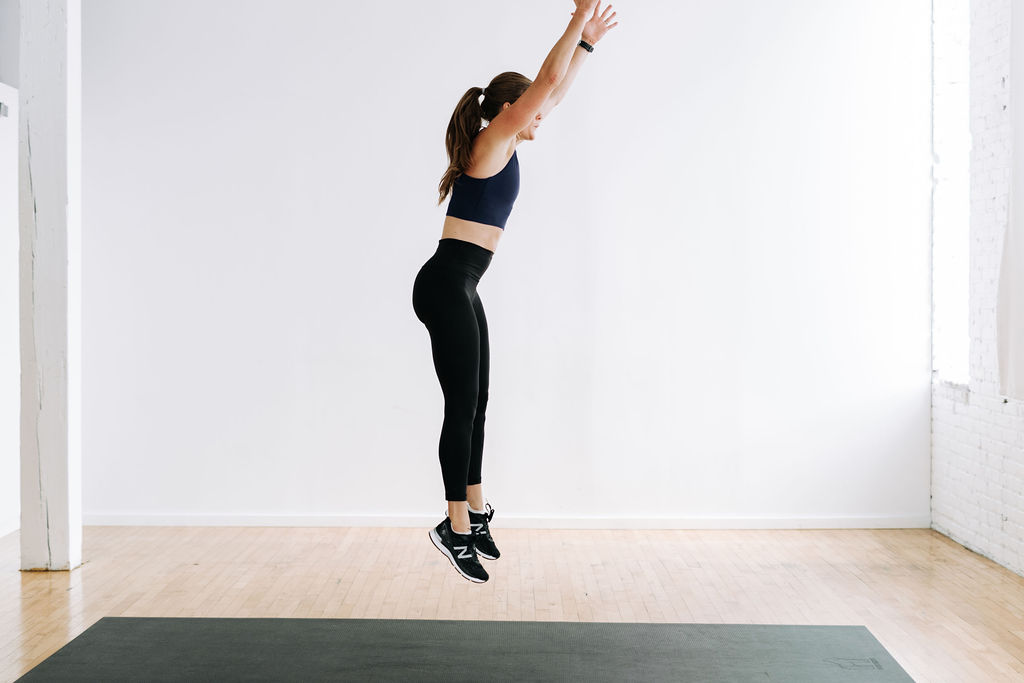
column 485, row 529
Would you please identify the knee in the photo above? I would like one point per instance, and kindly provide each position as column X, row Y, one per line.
column 461, row 406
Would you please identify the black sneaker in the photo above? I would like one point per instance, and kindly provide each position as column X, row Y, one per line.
column 478, row 523
column 459, row 550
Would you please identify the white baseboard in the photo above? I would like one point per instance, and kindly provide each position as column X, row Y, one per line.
column 514, row 521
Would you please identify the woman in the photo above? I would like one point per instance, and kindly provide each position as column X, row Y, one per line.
column 483, row 179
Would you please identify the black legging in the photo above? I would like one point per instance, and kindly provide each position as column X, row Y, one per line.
column 444, row 298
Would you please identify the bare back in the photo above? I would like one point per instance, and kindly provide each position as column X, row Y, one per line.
column 490, row 154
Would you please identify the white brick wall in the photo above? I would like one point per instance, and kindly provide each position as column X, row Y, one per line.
column 977, row 435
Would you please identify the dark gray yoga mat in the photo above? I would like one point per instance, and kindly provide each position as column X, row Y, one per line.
column 412, row 650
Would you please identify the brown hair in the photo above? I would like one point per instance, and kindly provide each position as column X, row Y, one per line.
column 465, row 123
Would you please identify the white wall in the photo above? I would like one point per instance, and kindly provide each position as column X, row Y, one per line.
column 710, row 306
column 10, row 360
column 9, row 42
column 951, row 200
column 978, row 443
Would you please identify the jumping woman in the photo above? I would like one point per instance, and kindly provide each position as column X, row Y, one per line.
column 483, row 179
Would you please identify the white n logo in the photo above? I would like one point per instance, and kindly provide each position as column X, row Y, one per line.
column 463, row 555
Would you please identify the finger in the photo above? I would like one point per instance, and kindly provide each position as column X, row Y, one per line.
column 606, row 10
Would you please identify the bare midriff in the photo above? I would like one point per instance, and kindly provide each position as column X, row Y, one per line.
column 481, row 234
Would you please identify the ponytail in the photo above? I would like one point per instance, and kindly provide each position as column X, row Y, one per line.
column 462, row 129
column 469, row 113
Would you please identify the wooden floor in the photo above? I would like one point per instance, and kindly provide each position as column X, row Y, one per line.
column 943, row 612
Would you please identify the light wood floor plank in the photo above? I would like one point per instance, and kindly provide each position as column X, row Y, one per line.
column 945, row 613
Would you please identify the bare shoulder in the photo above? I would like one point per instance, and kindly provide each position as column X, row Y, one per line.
column 490, row 154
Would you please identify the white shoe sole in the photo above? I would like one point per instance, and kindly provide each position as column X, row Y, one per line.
column 436, row 540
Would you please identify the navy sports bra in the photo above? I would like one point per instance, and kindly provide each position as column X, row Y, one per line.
column 486, row 200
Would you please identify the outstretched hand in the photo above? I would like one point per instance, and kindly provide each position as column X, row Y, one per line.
column 597, row 26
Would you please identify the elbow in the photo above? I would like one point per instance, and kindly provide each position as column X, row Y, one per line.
column 550, row 79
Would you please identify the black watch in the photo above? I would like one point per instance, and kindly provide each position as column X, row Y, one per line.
column 586, row 46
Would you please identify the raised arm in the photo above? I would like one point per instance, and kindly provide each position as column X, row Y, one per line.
column 598, row 24
column 522, row 112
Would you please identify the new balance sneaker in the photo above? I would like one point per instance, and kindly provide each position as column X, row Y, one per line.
column 459, row 550
column 478, row 523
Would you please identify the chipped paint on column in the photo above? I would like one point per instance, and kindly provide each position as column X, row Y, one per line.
column 50, row 299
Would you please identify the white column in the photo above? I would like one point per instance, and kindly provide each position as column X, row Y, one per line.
column 50, row 161
column 10, row 345
column 1010, row 297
